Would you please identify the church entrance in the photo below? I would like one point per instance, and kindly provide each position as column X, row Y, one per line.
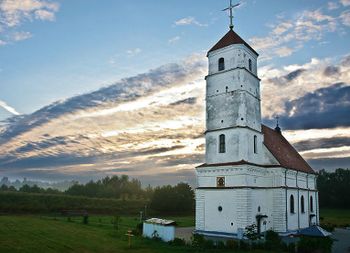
column 259, row 218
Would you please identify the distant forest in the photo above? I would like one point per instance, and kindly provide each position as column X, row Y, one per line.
column 164, row 199
column 334, row 191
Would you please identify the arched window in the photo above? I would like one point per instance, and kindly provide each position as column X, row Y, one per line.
column 302, row 204
column 255, row 144
column 250, row 64
column 221, row 64
column 222, row 148
column 311, row 204
column 291, row 203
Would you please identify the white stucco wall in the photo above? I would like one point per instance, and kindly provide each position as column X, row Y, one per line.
column 166, row 233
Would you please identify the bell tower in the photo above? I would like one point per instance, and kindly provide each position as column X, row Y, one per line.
column 233, row 112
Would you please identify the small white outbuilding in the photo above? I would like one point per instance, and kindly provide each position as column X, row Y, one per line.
column 159, row 228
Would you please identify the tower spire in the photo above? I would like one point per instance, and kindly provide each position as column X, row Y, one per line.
column 231, row 12
column 277, row 128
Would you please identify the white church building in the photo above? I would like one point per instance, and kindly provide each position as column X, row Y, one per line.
column 251, row 174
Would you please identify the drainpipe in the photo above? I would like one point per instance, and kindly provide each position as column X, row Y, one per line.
column 316, row 200
column 296, row 178
column 308, row 198
column 285, row 183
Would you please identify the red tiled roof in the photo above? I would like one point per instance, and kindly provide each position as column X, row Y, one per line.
column 284, row 152
column 231, row 38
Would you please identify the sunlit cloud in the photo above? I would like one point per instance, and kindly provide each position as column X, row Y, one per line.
column 8, row 108
column 14, row 13
column 188, row 21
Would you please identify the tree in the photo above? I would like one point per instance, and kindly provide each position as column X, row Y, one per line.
column 169, row 199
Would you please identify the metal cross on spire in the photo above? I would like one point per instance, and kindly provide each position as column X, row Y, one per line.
column 231, row 13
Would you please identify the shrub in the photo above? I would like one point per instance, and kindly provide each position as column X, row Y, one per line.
column 314, row 244
column 85, row 219
column 197, row 241
column 178, row 242
column 273, row 241
column 251, row 232
column 232, row 244
column 328, row 226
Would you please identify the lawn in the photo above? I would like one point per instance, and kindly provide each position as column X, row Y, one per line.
column 337, row 217
column 47, row 234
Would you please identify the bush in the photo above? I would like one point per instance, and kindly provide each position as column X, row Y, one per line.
column 178, row 242
column 328, row 226
column 314, row 244
column 232, row 244
column 251, row 232
column 198, row 241
column 273, row 241
column 85, row 219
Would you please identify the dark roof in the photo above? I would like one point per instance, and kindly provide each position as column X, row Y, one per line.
column 283, row 151
column 315, row 231
column 231, row 38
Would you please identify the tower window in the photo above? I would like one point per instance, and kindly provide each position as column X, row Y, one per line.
column 255, row 144
column 311, row 204
column 291, row 203
column 221, row 64
column 222, row 148
column 302, row 204
column 250, row 64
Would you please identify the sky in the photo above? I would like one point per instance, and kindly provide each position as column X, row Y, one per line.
column 91, row 88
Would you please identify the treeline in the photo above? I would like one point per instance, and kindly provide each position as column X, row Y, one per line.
column 165, row 199
column 20, row 202
column 334, row 188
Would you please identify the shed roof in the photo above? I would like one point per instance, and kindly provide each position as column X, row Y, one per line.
column 161, row 221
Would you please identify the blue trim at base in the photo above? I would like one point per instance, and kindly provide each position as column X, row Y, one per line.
column 215, row 233
column 234, row 235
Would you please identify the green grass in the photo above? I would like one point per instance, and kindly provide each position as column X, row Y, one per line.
column 337, row 217
column 49, row 234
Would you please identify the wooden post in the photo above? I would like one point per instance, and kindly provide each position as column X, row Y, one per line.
column 129, row 234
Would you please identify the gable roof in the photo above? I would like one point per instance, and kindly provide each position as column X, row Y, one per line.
column 284, row 152
column 231, row 38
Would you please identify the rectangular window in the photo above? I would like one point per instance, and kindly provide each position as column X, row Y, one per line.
column 255, row 144
column 222, row 148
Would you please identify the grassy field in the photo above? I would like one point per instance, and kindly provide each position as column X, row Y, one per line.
column 338, row 217
column 47, row 234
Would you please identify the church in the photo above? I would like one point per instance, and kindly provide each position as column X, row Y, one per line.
column 251, row 174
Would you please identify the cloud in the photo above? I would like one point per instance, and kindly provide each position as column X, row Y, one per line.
column 188, row 21
column 322, row 143
column 174, row 39
column 287, row 83
column 18, row 36
column 345, row 2
column 8, row 108
column 13, row 13
column 331, row 70
column 345, row 18
column 332, row 5
column 324, row 108
column 139, row 125
column 133, row 52
column 289, row 35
